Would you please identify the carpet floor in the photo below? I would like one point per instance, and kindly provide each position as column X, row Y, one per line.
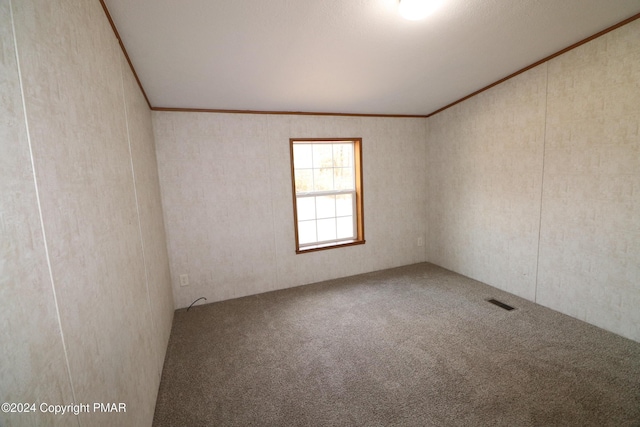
column 410, row 346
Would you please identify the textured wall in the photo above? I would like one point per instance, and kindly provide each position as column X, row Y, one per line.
column 590, row 234
column 150, row 217
column 32, row 360
column 484, row 172
column 576, row 119
column 92, row 151
column 226, row 191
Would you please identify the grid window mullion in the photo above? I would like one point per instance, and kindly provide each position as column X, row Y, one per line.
column 330, row 182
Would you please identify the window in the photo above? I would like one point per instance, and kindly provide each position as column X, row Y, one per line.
column 327, row 193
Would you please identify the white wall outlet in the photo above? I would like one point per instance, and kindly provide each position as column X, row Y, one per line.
column 420, row 241
column 184, row 280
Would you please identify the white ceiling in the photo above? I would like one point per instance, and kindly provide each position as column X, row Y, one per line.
column 342, row 56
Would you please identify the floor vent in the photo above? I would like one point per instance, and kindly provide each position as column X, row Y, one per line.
column 500, row 304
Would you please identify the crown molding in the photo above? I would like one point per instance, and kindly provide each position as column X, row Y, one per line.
column 542, row 61
column 124, row 51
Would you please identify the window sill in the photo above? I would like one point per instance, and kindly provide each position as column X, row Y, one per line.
column 326, row 246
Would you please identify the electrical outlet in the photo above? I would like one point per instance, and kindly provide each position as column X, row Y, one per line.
column 420, row 241
column 184, row 280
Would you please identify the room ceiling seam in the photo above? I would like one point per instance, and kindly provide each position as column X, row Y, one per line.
column 541, row 61
column 124, row 51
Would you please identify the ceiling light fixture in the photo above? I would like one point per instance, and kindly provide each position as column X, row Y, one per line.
column 418, row 9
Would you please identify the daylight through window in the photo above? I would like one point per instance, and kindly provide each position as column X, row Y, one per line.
column 327, row 187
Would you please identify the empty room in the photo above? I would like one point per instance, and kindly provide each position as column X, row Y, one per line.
column 319, row 213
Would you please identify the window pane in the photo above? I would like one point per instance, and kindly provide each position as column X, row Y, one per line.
column 306, row 232
column 322, row 156
column 326, row 229
column 304, row 180
column 343, row 155
column 323, row 179
column 344, row 205
column 327, row 184
column 326, row 206
column 306, row 208
column 302, row 156
column 345, row 227
column 343, row 178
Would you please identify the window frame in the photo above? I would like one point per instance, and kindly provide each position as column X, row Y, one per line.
column 358, row 210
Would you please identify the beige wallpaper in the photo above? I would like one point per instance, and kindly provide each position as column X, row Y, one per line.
column 151, row 221
column 590, row 235
column 484, row 173
column 32, row 361
column 92, row 152
column 226, row 192
column 568, row 240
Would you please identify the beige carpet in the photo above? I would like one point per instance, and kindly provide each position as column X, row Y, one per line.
column 411, row 346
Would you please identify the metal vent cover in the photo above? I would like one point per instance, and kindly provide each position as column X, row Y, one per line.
column 500, row 304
